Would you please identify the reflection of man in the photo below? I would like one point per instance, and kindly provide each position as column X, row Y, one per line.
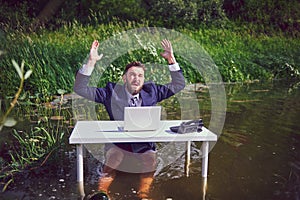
column 134, row 92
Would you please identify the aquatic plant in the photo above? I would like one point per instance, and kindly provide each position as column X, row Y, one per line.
column 32, row 148
column 4, row 120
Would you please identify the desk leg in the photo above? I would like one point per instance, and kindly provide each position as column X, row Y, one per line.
column 205, row 146
column 188, row 158
column 204, row 187
column 80, row 178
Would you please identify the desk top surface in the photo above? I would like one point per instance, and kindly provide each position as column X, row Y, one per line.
column 107, row 132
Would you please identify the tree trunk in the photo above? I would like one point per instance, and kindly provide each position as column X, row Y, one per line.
column 48, row 11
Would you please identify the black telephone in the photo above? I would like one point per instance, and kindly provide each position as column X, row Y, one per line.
column 188, row 127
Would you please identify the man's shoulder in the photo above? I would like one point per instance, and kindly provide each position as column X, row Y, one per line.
column 113, row 86
column 149, row 84
column 109, row 84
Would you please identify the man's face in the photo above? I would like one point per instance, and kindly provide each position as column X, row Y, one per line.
column 134, row 79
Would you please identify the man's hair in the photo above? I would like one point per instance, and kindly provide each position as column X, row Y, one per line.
column 134, row 64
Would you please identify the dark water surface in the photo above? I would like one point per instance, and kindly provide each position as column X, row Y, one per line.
column 256, row 157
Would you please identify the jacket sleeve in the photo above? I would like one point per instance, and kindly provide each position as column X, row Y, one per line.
column 176, row 85
column 81, row 87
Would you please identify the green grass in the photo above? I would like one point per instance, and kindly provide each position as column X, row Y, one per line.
column 54, row 56
column 44, row 132
column 242, row 56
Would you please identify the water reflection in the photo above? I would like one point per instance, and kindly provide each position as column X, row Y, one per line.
column 204, row 188
column 256, row 157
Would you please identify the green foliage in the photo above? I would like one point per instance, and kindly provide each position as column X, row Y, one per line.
column 12, row 19
column 31, row 147
column 185, row 13
column 37, row 144
column 55, row 56
column 264, row 16
column 268, row 16
column 157, row 12
column 47, row 55
column 242, row 53
column 242, row 57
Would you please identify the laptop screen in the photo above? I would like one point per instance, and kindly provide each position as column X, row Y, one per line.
column 145, row 118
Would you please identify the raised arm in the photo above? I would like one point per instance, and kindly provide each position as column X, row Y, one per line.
column 82, row 77
column 177, row 83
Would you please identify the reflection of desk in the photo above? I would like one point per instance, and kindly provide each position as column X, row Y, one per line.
column 107, row 132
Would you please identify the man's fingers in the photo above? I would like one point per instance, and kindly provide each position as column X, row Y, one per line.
column 100, row 56
column 94, row 51
column 95, row 44
column 166, row 44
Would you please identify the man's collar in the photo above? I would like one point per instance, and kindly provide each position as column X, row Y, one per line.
column 130, row 96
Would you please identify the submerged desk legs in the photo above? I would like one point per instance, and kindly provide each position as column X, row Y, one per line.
column 187, row 158
column 80, row 178
column 205, row 146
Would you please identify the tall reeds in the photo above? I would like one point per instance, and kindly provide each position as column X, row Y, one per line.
column 54, row 56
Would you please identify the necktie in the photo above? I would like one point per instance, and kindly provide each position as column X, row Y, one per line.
column 133, row 102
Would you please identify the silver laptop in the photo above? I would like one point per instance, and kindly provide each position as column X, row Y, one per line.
column 145, row 118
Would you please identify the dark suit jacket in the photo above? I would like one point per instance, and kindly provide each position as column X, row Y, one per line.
column 114, row 98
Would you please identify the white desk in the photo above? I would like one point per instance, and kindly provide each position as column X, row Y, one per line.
column 94, row 132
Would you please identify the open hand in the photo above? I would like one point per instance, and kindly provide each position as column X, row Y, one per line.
column 168, row 51
column 94, row 56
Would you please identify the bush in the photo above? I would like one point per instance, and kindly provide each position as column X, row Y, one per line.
column 185, row 13
column 173, row 13
column 270, row 16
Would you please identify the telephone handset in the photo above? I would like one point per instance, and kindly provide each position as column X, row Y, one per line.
column 188, row 127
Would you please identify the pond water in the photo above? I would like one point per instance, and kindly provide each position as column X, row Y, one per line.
column 256, row 157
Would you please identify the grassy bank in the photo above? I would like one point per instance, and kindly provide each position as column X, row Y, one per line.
column 55, row 56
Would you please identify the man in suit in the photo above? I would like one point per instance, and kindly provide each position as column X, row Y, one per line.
column 115, row 97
